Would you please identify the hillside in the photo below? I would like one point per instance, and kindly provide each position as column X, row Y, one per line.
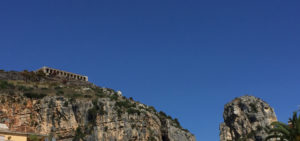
column 77, row 110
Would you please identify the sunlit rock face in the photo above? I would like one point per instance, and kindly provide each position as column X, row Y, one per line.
column 62, row 118
column 79, row 110
column 246, row 118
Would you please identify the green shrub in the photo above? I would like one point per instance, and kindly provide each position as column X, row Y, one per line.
column 34, row 138
column 177, row 123
column 92, row 115
column 114, row 97
column 79, row 135
column 101, row 95
column 66, row 104
column 133, row 111
column 34, row 95
column 44, row 88
column 24, row 88
column 93, row 112
column 40, row 74
column 119, row 112
column 151, row 108
column 6, row 85
column 57, row 88
column 163, row 114
column 87, row 96
column 253, row 107
column 2, row 100
column 74, row 96
column 60, row 92
column 125, row 104
column 32, row 76
column 151, row 138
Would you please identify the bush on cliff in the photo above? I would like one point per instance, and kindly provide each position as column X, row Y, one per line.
column 6, row 85
column 34, row 95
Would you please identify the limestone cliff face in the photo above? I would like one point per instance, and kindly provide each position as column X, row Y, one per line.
column 67, row 120
column 75, row 111
column 246, row 118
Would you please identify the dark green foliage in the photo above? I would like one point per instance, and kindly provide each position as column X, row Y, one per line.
column 177, row 123
column 74, row 96
column 57, row 88
column 111, row 90
column 40, row 74
column 186, row 130
column 32, row 76
column 253, row 107
column 51, row 103
column 161, row 113
column 99, row 92
column 125, row 104
column 119, row 112
column 66, row 104
column 34, row 138
column 2, row 100
column 92, row 115
column 59, row 92
column 24, row 88
column 93, row 112
column 133, row 111
column 87, row 96
column 44, row 88
column 130, row 98
column 151, row 138
column 114, row 97
column 105, row 128
column 259, row 128
column 151, row 108
column 79, row 135
column 6, row 85
column 101, row 95
column 285, row 132
column 34, row 95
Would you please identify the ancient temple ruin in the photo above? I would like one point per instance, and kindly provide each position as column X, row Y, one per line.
column 64, row 74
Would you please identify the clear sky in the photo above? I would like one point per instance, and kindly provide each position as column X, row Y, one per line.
column 187, row 58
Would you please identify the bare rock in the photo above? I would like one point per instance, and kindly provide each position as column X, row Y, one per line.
column 246, row 118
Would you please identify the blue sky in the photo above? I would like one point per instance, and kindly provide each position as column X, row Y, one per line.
column 187, row 58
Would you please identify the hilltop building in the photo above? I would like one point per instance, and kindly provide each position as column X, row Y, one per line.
column 51, row 71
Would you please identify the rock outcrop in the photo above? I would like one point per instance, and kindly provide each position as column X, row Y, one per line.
column 246, row 118
column 73, row 111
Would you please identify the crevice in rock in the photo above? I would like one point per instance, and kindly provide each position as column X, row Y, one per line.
column 164, row 130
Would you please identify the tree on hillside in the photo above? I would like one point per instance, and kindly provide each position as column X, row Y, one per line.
column 284, row 132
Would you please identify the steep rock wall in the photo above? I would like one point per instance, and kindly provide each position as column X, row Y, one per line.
column 246, row 118
column 68, row 119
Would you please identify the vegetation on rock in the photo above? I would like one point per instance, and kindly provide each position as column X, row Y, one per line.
column 284, row 132
column 60, row 106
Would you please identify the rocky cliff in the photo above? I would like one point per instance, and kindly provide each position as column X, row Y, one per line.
column 246, row 119
column 71, row 110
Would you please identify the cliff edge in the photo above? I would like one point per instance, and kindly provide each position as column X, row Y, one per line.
column 73, row 110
